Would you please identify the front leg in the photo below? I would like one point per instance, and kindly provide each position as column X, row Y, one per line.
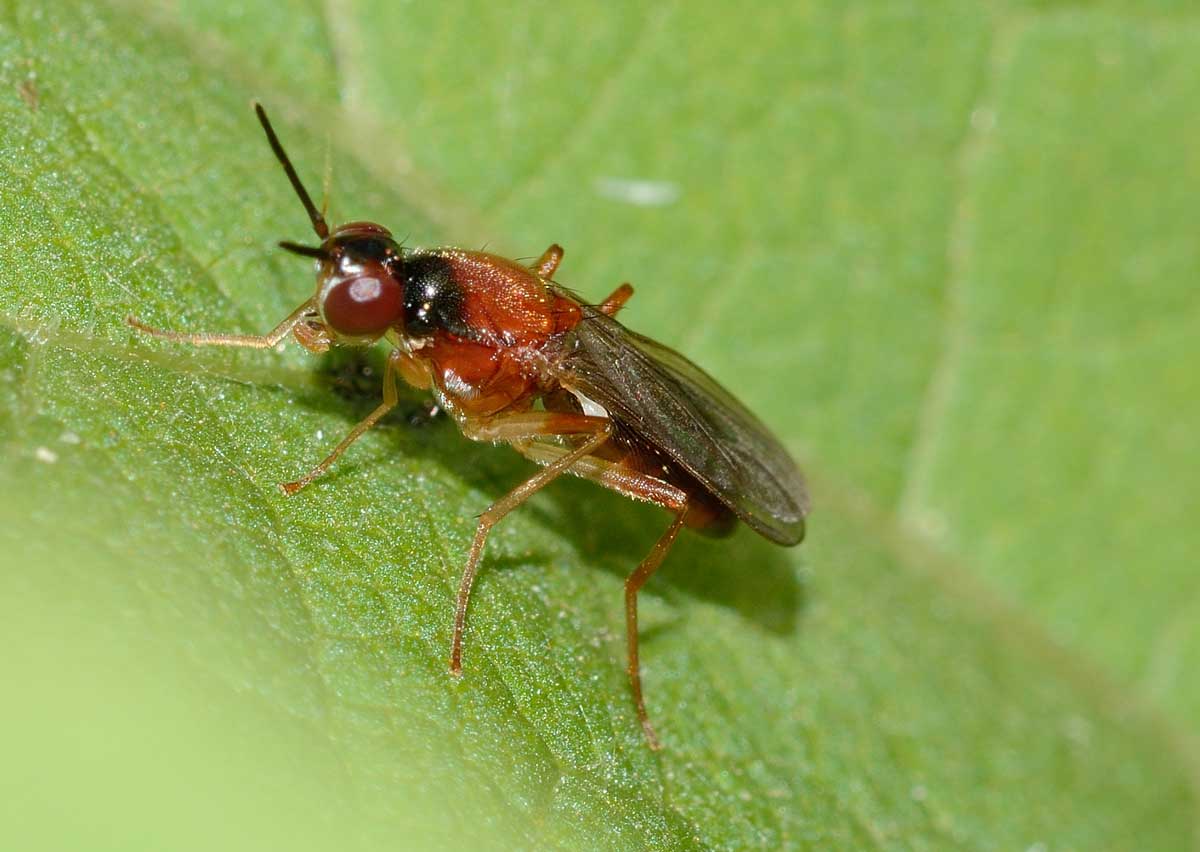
column 313, row 336
column 248, row 341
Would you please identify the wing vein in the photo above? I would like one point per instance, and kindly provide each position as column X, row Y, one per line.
column 683, row 413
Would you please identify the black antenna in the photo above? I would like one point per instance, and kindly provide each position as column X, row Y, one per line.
column 307, row 251
column 318, row 221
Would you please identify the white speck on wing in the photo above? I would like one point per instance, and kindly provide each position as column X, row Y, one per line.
column 590, row 407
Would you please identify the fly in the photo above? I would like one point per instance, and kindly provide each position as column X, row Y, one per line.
column 516, row 358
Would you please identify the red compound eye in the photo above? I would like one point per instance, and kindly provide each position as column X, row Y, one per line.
column 363, row 305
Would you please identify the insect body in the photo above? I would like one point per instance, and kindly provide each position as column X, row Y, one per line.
column 516, row 358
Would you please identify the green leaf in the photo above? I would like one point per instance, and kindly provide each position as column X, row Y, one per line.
column 945, row 250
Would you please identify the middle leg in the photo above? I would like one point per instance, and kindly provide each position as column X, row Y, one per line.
column 515, row 429
column 390, row 396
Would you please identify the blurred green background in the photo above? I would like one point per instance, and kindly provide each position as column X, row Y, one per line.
column 948, row 251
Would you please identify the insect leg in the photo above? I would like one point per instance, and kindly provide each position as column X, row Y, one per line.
column 549, row 261
column 516, row 428
column 313, row 337
column 616, row 300
column 390, row 395
column 613, row 475
column 633, row 583
column 639, row 486
column 251, row 341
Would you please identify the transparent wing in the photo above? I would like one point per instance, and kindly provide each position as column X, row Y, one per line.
column 681, row 411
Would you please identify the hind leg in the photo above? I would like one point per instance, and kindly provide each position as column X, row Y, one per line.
column 517, row 428
column 633, row 584
column 640, row 486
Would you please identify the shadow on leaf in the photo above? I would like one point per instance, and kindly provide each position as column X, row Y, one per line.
column 743, row 572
